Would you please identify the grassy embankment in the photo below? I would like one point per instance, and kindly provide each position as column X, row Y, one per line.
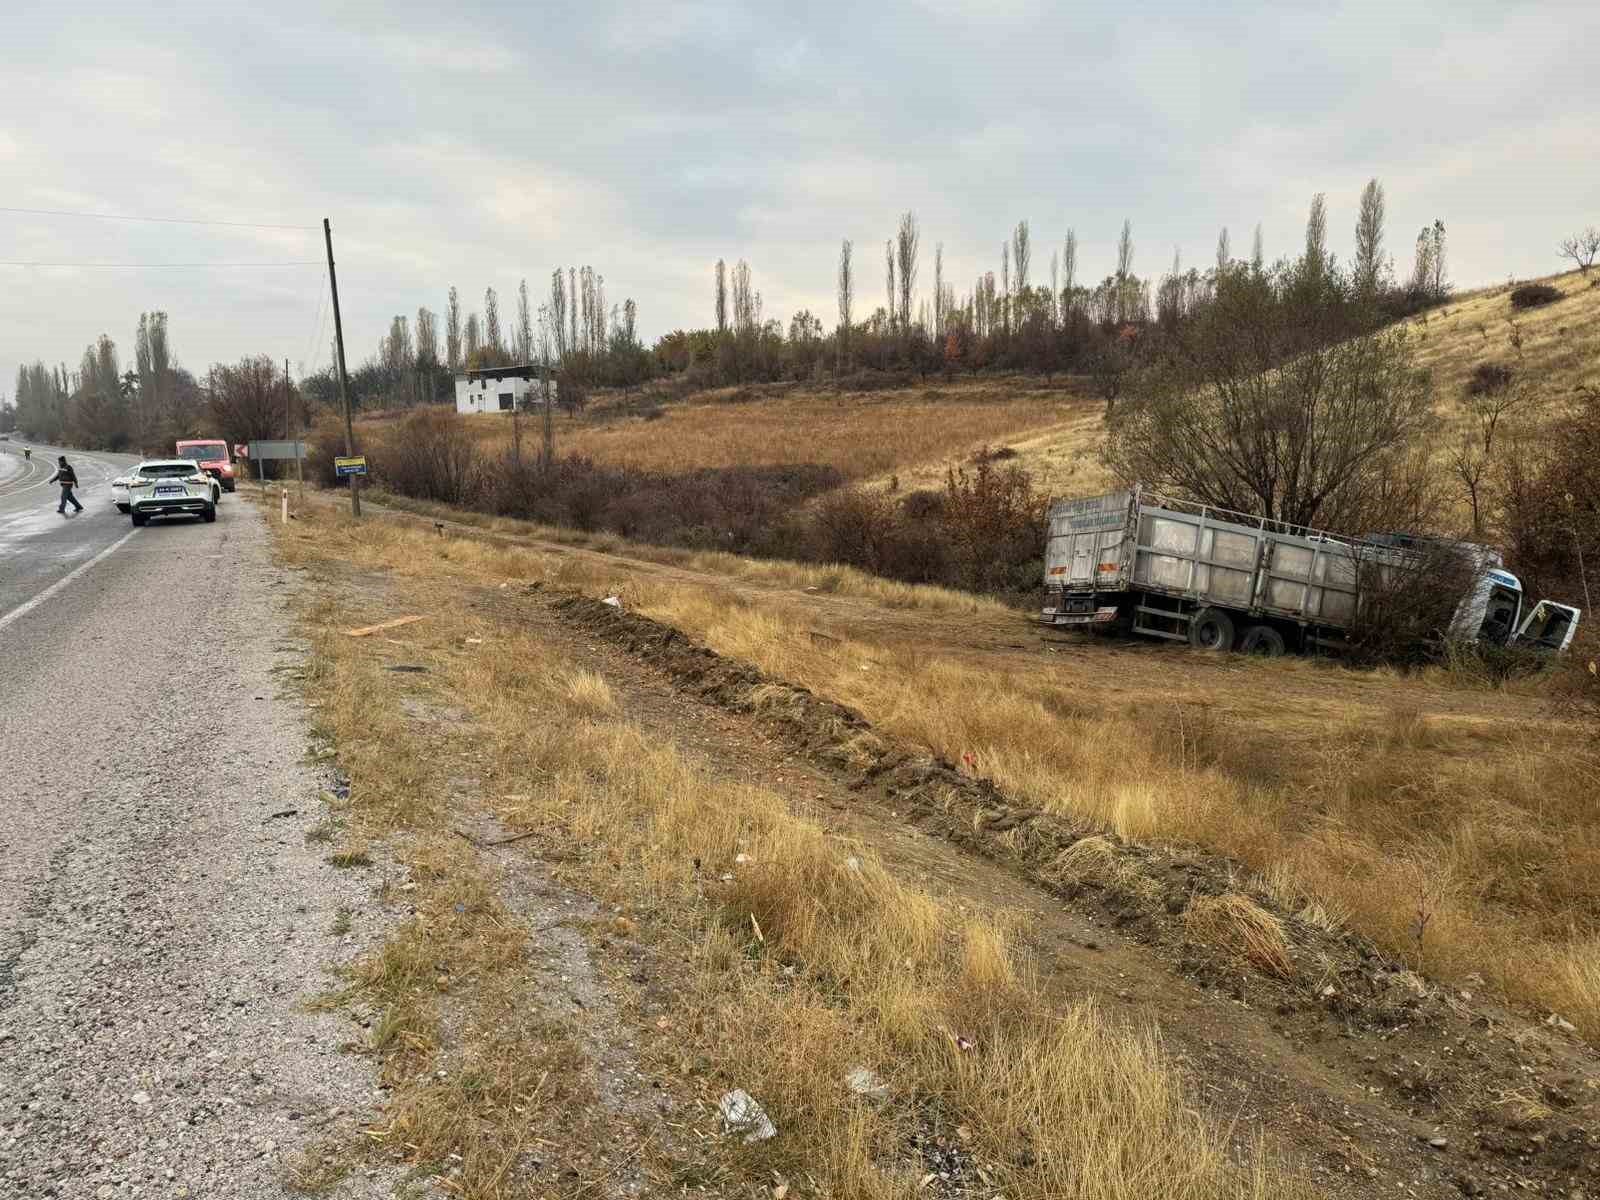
column 813, row 960
column 1451, row 822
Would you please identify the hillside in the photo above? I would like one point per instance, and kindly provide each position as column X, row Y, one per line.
column 1560, row 349
column 862, row 433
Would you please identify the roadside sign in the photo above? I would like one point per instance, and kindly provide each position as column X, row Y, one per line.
column 354, row 465
column 276, row 450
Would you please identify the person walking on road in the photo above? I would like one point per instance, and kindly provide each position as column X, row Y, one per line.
column 68, row 479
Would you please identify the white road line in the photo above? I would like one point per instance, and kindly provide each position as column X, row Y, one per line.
column 28, row 606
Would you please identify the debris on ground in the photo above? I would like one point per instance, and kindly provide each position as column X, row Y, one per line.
column 741, row 1113
column 613, row 601
column 864, row 1081
column 395, row 623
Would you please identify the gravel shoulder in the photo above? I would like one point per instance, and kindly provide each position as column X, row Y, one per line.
column 162, row 915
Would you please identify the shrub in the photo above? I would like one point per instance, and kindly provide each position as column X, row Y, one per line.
column 1489, row 378
column 1532, row 295
column 325, row 443
column 431, row 457
column 923, row 505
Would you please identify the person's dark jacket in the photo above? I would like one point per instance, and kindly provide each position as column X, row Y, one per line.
column 65, row 476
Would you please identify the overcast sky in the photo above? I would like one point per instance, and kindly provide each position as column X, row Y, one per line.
column 479, row 143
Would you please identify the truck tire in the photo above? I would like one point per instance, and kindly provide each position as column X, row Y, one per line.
column 1263, row 640
column 1211, row 629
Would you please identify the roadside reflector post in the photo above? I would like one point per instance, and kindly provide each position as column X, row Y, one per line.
column 283, row 493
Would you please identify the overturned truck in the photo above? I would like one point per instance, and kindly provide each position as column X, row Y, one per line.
column 1141, row 562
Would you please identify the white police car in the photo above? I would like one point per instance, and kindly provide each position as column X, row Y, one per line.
column 168, row 487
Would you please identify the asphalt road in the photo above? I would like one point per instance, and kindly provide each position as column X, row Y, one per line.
column 162, row 914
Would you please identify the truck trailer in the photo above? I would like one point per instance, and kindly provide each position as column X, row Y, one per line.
column 1147, row 563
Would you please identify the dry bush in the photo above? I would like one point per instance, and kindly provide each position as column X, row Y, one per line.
column 1534, row 295
column 1240, row 928
column 430, row 456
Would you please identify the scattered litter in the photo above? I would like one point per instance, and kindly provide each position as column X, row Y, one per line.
column 140, row 1097
column 407, row 668
column 368, row 630
column 965, row 1045
column 756, row 925
column 1328, row 992
column 285, row 812
column 614, row 601
column 503, row 586
column 852, row 863
column 727, row 877
column 864, row 1081
column 474, row 641
column 1561, row 1023
column 741, row 859
column 742, row 1114
column 1438, row 1143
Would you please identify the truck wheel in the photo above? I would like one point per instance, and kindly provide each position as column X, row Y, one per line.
column 1263, row 640
column 1211, row 629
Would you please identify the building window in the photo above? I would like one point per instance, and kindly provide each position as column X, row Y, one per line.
column 506, row 401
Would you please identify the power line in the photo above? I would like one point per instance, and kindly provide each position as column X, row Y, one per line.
column 160, row 266
column 56, row 212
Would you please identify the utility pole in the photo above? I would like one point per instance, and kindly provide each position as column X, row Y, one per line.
column 344, row 384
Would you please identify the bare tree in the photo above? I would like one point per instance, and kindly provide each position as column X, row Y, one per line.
column 427, row 338
column 1496, row 395
column 572, row 310
column 1316, row 257
column 1005, row 286
column 473, row 342
column 1428, row 276
column 1055, row 284
column 491, row 323
column 1582, row 248
column 892, row 303
column 938, row 291
column 1240, row 412
column 745, row 319
column 1021, row 257
column 1369, row 240
column 1069, row 272
column 524, row 325
column 557, row 311
column 1258, row 253
column 1224, row 258
column 721, row 277
column 907, row 240
column 1125, row 279
column 846, row 297
column 452, row 331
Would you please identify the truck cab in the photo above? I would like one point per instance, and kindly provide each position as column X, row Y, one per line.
column 213, row 457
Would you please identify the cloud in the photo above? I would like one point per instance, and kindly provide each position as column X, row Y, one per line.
column 486, row 142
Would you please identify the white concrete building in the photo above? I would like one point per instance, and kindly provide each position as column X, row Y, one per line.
column 497, row 389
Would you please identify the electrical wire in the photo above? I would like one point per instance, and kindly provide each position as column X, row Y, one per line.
column 161, row 266
column 56, row 212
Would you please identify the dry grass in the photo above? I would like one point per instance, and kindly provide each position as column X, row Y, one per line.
column 504, row 556
column 813, row 960
column 1241, row 929
column 863, row 434
column 1462, row 847
column 1461, row 843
